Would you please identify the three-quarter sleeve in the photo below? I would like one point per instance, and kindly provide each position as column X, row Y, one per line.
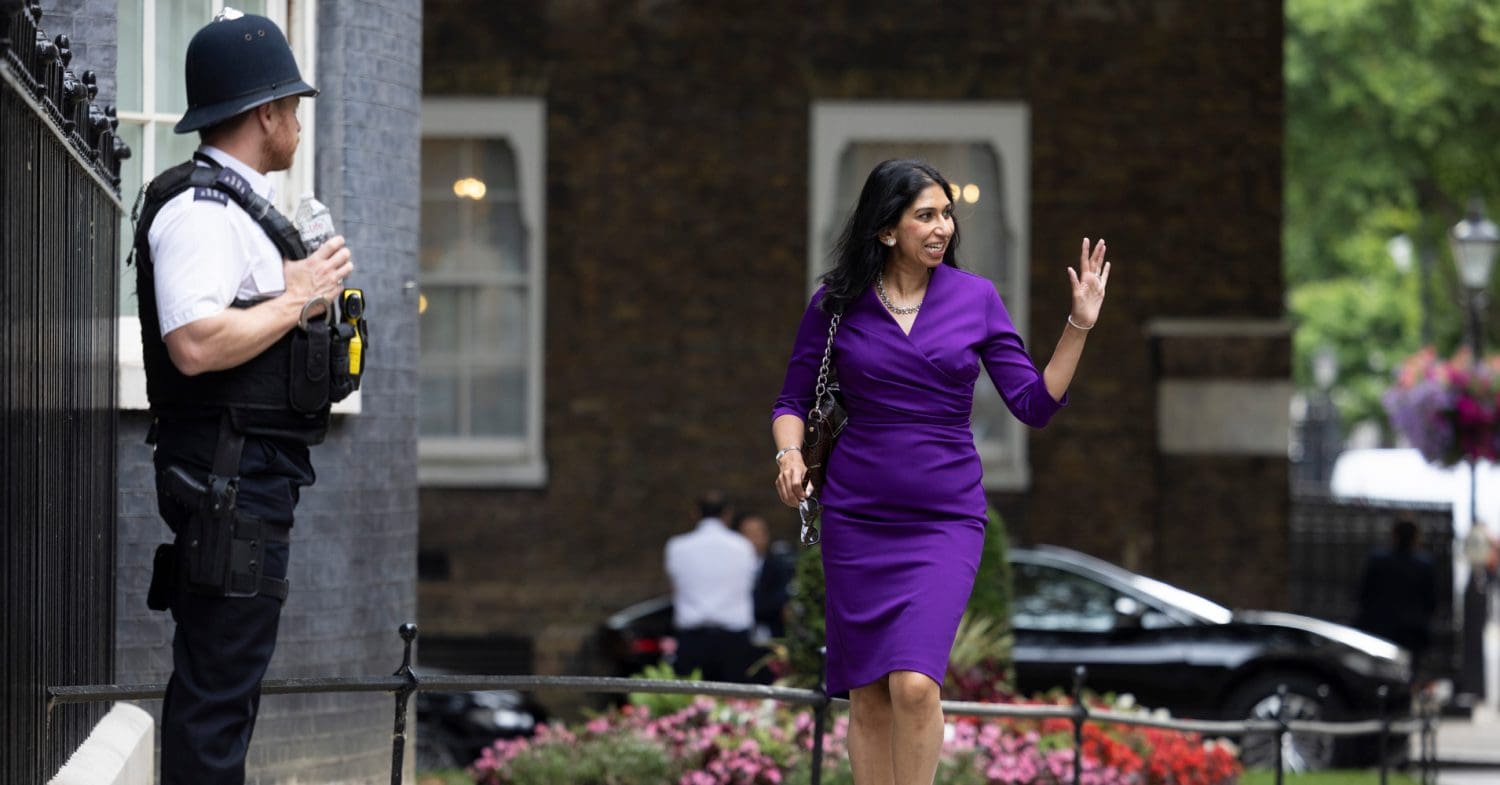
column 807, row 355
column 1015, row 376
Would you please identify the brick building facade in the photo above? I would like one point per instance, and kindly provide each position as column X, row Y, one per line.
column 677, row 243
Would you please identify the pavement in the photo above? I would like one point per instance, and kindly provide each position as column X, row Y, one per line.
column 1469, row 749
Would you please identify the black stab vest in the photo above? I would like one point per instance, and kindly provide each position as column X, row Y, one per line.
column 255, row 394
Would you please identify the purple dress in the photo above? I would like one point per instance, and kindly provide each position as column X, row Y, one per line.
column 904, row 510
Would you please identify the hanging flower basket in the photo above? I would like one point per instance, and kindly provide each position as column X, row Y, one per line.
column 1447, row 409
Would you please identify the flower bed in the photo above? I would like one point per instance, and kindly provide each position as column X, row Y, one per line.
column 1447, row 409
column 744, row 743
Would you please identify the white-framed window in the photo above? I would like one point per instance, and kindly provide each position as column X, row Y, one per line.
column 152, row 97
column 483, row 261
column 983, row 148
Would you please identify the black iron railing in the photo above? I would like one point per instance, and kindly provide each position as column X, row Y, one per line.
column 406, row 682
column 1330, row 539
column 59, row 219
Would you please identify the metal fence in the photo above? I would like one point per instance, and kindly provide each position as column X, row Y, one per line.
column 406, row 682
column 59, row 219
column 1329, row 542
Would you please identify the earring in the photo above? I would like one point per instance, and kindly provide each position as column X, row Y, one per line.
column 889, row 241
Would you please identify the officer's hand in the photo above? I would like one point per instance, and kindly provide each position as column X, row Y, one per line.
column 321, row 274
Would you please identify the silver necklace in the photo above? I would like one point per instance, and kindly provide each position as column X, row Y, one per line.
column 890, row 306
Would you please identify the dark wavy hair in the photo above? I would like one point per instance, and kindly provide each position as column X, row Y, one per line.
column 859, row 255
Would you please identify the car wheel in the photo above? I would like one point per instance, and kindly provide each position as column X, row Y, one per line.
column 1306, row 699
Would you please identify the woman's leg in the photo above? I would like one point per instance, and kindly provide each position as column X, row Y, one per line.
column 870, row 733
column 916, row 727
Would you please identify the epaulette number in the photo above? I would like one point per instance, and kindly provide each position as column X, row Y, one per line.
column 209, row 194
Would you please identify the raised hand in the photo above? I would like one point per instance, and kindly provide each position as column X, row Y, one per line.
column 1089, row 282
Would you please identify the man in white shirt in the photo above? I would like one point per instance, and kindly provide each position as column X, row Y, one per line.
column 713, row 582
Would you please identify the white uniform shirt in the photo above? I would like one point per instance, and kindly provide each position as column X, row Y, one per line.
column 713, row 577
column 207, row 253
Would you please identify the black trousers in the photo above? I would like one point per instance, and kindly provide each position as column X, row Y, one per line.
column 720, row 654
column 222, row 645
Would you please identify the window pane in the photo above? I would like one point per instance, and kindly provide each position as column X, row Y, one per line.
column 130, row 184
column 501, row 236
column 992, row 423
column 499, row 325
column 476, row 333
column 499, row 403
column 440, row 166
column 471, row 217
column 440, row 321
column 176, row 21
column 130, row 52
column 173, row 148
column 440, row 234
column 439, row 415
column 257, row 7
column 497, row 165
column 1051, row 599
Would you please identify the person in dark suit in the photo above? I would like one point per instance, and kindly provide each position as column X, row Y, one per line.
column 773, row 576
column 776, row 563
column 1398, row 593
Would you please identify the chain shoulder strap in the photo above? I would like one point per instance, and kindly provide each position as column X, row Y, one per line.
column 822, row 388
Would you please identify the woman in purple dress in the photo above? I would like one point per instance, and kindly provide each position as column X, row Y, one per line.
column 904, row 507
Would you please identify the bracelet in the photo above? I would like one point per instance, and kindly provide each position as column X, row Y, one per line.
column 1079, row 326
column 783, row 451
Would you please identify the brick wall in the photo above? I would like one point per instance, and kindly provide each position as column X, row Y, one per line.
column 353, row 566
column 677, row 186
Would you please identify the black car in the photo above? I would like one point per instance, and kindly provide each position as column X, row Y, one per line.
column 453, row 728
column 1166, row 647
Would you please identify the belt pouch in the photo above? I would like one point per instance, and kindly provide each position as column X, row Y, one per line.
column 246, row 558
column 310, row 365
column 209, row 540
column 163, row 578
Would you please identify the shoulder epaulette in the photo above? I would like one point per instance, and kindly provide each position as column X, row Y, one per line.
column 210, row 194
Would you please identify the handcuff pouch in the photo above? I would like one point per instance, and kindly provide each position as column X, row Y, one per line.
column 310, row 359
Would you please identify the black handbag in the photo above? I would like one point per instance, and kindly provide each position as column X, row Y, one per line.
column 825, row 421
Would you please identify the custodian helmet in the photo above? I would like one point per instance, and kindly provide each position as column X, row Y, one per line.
column 235, row 64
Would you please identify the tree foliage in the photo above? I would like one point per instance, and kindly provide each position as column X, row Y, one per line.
column 1391, row 117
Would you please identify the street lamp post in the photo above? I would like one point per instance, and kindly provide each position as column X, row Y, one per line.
column 1475, row 240
column 1325, row 433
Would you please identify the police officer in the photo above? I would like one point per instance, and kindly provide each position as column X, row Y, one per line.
column 231, row 308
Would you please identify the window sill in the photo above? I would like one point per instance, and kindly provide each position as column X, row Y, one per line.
column 465, row 465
